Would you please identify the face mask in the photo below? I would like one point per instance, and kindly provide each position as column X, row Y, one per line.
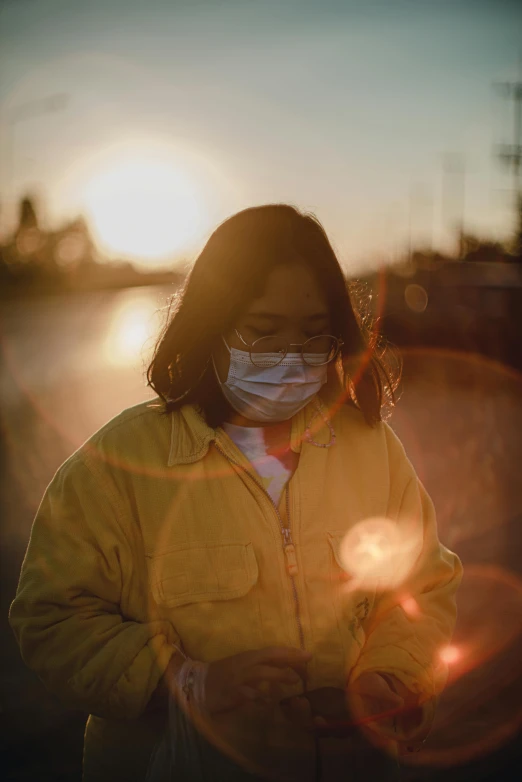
column 270, row 394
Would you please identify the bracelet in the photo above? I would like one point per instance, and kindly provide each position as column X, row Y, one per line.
column 190, row 682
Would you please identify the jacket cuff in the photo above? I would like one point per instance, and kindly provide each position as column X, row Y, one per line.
column 409, row 671
column 133, row 690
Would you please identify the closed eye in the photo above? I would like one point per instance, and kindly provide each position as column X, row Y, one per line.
column 257, row 334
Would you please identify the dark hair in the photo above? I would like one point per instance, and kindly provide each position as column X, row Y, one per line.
column 229, row 273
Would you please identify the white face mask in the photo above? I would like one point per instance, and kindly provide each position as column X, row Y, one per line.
column 270, row 394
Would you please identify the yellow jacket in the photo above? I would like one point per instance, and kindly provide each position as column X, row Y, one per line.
column 157, row 531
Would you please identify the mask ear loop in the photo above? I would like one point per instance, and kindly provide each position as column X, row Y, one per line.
column 308, row 435
column 215, row 371
column 214, row 363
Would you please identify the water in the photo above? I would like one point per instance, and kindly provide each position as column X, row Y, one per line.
column 76, row 340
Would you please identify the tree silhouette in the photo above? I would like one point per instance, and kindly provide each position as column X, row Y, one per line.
column 27, row 214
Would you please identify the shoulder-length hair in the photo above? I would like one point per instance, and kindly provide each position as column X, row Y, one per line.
column 228, row 274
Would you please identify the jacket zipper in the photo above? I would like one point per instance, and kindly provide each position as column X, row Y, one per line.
column 291, row 566
column 288, row 543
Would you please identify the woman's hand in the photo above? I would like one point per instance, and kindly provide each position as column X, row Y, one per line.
column 250, row 676
column 383, row 704
column 322, row 711
column 372, row 701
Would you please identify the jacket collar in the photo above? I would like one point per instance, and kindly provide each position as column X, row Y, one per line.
column 191, row 436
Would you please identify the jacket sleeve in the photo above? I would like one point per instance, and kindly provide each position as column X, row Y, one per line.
column 412, row 622
column 66, row 615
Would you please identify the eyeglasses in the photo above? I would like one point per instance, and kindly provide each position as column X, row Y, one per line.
column 270, row 351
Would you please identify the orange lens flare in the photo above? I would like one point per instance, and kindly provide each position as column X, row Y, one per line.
column 378, row 553
column 410, row 607
column 450, row 654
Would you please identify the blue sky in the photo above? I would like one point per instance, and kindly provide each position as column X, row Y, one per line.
column 346, row 108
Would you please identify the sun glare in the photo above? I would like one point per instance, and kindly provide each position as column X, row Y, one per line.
column 144, row 209
column 133, row 326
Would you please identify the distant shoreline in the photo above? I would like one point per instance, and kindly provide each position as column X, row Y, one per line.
column 18, row 292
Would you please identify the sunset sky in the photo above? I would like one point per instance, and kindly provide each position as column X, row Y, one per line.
column 181, row 112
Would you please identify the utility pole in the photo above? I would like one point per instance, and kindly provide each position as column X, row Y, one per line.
column 454, row 195
column 420, row 219
column 511, row 154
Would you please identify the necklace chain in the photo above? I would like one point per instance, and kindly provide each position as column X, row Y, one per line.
column 308, row 435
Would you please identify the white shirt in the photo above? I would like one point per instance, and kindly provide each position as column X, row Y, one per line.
column 273, row 465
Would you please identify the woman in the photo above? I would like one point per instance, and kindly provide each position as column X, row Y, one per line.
column 244, row 546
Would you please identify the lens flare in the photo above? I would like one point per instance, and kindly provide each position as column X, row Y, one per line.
column 379, row 554
column 480, row 709
column 450, row 654
column 410, row 606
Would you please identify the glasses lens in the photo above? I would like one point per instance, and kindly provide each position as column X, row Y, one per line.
column 268, row 351
column 320, row 350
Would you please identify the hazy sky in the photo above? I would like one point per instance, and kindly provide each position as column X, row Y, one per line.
column 346, row 108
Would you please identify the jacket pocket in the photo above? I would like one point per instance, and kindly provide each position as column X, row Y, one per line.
column 198, row 573
column 210, row 594
column 353, row 603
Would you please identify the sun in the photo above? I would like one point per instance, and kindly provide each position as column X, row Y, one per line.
column 144, row 209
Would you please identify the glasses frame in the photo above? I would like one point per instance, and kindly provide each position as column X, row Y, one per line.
column 339, row 341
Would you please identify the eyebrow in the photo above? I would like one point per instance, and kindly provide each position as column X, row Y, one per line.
column 316, row 316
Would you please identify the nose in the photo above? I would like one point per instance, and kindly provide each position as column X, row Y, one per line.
column 296, row 338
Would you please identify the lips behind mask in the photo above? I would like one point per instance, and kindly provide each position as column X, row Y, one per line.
column 271, row 393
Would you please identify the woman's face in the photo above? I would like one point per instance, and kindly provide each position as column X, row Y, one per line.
column 292, row 306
